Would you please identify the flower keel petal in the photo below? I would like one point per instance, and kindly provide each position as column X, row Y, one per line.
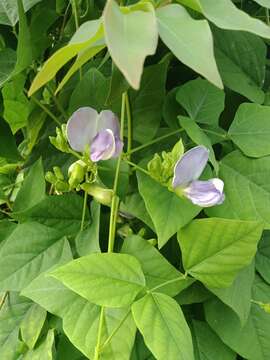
column 103, row 146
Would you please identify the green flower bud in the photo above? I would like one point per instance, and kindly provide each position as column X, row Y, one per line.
column 76, row 173
column 60, row 141
column 153, row 242
column 50, row 177
column 101, row 195
column 58, row 173
column 61, row 186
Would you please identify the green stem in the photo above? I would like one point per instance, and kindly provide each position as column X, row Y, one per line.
column 57, row 103
column 2, row 302
column 224, row 136
column 167, row 283
column 137, row 167
column 47, row 111
column 97, row 348
column 84, row 210
column 129, row 123
column 267, row 16
column 141, row 147
column 107, row 341
column 76, row 18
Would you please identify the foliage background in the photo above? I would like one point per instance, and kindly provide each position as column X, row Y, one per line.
column 175, row 288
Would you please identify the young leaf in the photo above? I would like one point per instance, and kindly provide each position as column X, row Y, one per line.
column 106, row 279
column 85, row 36
column 168, row 211
column 203, row 102
column 163, row 326
column 214, row 250
column 157, row 269
column 130, row 37
column 246, row 189
column 250, row 129
column 189, row 40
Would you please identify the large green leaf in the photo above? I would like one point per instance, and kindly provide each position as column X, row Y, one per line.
column 168, row 211
column 163, row 326
column 264, row 3
column 238, row 295
column 7, row 63
column 8, row 148
column 63, row 212
column 250, row 129
column 32, row 324
column 241, row 62
column 207, row 345
column 263, row 256
column 87, row 35
column 158, row 271
column 190, row 40
column 81, row 319
column 247, row 188
column 46, row 347
column 29, row 250
column 12, row 313
column 251, row 341
column 214, row 250
column 106, row 279
column 199, row 137
column 32, row 190
column 147, row 103
column 9, row 10
column 203, row 102
column 130, row 37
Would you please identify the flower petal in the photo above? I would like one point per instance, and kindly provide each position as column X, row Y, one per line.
column 82, row 128
column 103, row 146
column 190, row 166
column 205, row 193
column 108, row 120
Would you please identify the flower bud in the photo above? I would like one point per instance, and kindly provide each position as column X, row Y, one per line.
column 76, row 173
column 61, row 186
column 60, row 140
column 50, row 177
column 58, row 173
column 101, row 195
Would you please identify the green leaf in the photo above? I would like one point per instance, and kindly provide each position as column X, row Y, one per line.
column 238, row 295
column 7, row 62
column 207, row 345
column 263, row 256
column 46, row 347
column 106, row 279
column 170, row 336
column 16, row 104
column 140, row 351
column 168, row 211
column 246, row 188
column 190, row 40
column 250, row 129
column 32, row 190
column 147, row 103
column 128, row 47
column 158, row 271
column 134, row 205
column 195, row 293
column 32, row 324
column 250, row 341
column 22, row 261
column 8, row 148
column 171, row 109
column 81, row 319
column 241, row 62
column 264, row 3
column 6, row 228
column 118, row 85
column 62, row 212
column 219, row 249
column 87, row 34
column 199, row 137
column 87, row 241
column 90, row 91
column 203, row 102
column 225, row 15
column 9, row 10
column 24, row 48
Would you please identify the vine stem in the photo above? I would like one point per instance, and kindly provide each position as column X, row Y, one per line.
column 129, row 123
column 2, row 302
column 76, row 18
column 113, row 219
column 135, row 166
column 84, row 210
column 47, row 111
column 57, row 103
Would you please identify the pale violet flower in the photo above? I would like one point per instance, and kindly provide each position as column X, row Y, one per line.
column 100, row 131
column 187, row 170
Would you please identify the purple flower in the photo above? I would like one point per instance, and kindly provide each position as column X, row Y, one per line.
column 186, row 173
column 101, row 132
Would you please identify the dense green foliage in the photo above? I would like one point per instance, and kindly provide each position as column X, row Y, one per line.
column 106, row 260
